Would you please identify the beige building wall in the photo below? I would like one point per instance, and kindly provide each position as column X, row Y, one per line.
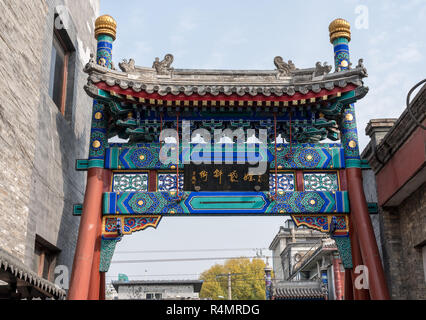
column 38, row 145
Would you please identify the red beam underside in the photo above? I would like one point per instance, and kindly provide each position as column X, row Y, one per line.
column 223, row 97
column 403, row 165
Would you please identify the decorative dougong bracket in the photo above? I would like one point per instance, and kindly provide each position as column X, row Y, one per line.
column 114, row 227
column 335, row 225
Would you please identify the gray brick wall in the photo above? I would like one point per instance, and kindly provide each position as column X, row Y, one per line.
column 370, row 190
column 20, row 77
column 404, row 230
column 392, row 251
column 402, row 226
column 412, row 213
column 38, row 181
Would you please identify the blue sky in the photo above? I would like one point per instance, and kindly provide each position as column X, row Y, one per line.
column 247, row 34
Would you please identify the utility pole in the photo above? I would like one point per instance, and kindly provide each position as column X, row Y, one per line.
column 229, row 286
column 229, row 275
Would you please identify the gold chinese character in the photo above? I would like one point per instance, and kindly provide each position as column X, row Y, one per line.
column 248, row 177
column 194, row 178
column 218, row 174
column 259, row 179
column 233, row 176
column 204, row 175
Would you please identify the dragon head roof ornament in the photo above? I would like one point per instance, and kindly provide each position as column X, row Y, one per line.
column 285, row 69
column 163, row 67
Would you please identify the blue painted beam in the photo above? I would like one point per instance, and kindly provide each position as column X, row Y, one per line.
column 224, row 203
column 306, row 156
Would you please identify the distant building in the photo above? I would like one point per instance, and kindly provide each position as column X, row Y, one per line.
column 289, row 246
column 110, row 293
column 397, row 154
column 322, row 264
column 158, row 289
column 45, row 119
column 306, row 265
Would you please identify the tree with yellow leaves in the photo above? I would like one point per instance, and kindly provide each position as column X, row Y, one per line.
column 247, row 283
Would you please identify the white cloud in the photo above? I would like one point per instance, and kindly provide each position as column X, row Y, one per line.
column 186, row 23
column 378, row 38
column 216, row 58
column 409, row 54
column 183, row 29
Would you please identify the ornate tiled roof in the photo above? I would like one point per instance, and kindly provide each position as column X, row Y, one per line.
column 308, row 102
column 285, row 80
column 327, row 245
column 196, row 283
column 298, row 290
column 401, row 130
column 10, row 264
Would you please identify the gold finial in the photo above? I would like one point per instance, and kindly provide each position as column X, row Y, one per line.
column 106, row 25
column 340, row 28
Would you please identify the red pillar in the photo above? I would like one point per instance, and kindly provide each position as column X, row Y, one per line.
column 364, row 231
column 338, row 283
column 95, row 277
column 152, row 181
column 87, row 234
column 359, row 294
column 102, row 288
column 349, row 293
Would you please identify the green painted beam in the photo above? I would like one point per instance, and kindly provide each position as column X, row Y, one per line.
column 224, row 203
column 77, row 210
column 365, row 164
column 82, row 165
column 373, row 208
column 146, row 156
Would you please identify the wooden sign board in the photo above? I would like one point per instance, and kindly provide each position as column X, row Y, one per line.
column 223, row 177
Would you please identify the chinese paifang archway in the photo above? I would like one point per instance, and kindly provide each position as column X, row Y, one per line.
column 130, row 187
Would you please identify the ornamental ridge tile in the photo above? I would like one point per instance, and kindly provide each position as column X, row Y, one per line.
column 285, row 80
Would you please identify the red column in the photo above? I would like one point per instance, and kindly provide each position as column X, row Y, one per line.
column 356, row 261
column 152, row 181
column 87, row 234
column 349, row 293
column 299, row 180
column 364, row 230
column 95, row 277
column 338, row 283
column 359, row 294
column 102, row 288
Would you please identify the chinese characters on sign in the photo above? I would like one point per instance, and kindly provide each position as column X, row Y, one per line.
column 233, row 177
